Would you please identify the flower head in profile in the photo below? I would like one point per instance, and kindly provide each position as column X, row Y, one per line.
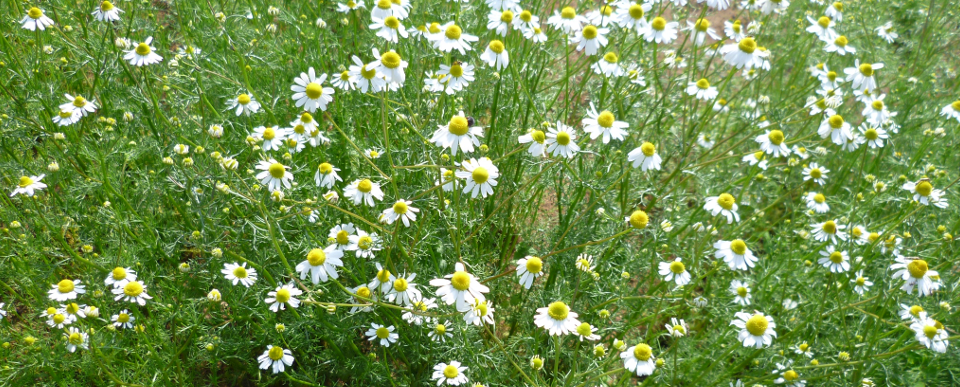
column 724, row 204
column 567, row 20
column 35, row 20
column 28, row 185
column 106, row 12
column 645, row 157
column 916, row 273
column 529, row 268
column 496, row 55
column 537, row 140
column 735, row 253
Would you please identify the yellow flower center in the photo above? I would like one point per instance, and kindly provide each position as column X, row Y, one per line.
column 59, row 318
column 240, row 272
column 830, row 227
column 440, row 329
column 390, row 59
column 742, row 291
column 75, row 338
column 243, row 99
column 456, row 70
column 368, row 74
column 791, row 375
column 400, row 207
column 283, row 295
column 861, row 281
column 776, row 137
column 79, row 101
column 73, row 308
column 143, row 49
column 133, row 289
column 365, row 242
column 659, row 23
column 703, row 84
column 838, row 6
column 460, row 280
column 747, row 45
column 450, row 372
column 65, row 114
column 506, row 16
column 642, row 352
column 364, row 292
column 365, row 186
column 639, row 219
column 434, row 28
column 277, row 170
column 106, row 6
column 841, row 41
column 314, row 90
column 917, row 268
column 757, row 325
column 605, row 119
column 496, row 46
column 481, row 308
column 123, row 318
column 275, row 353
column 316, row 257
column 480, row 175
column 924, row 188
column 819, row 198
column 584, row 329
column 866, row 69
column 679, row 328
column 65, row 286
column 816, row 173
column 590, row 32
column 955, row 105
column 738, row 246
column 51, row 311
column 877, row 105
column 538, row 136
column 453, row 32
column 400, row 285
column 758, row 155
column 557, row 310
column 269, row 133
column 26, row 181
column 636, row 12
column 648, row 149
column 836, row 257
column 835, row 121
column 342, row 237
column 526, row 16
column 823, row 22
column 325, row 169
column 383, row 4
column 930, row 331
column 856, row 231
column 568, row 13
column 677, row 267
column 534, row 264
column 871, row 134
column 736, row 26
column 391, row 22
column 351, row 4
column 563, row 138
column 702, row 25
column 35, row 13
column 344, row 75
column 611, row 57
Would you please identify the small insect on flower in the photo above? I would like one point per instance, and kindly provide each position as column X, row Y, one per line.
column 276, row 358
column 915, row 272
column 458, row 135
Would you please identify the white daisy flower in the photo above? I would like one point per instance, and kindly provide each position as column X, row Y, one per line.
column 632, row 18
column 567, row 20
column 449, row 374
column 910, row 312
column 448, row 179
column 36, row 20
column 742, row 54
column 80, row 104
column 361, row 296
column 602, row 16
column 756, row 330
column 561, row 142
column 645, row 157
column 876, row 111
column 67, row 117
column 384, row 334
column 499, row 21
column 829, row 231
column 350, row 5
column 699, row 31
column 525, row 21
column 874, row 135
column 28, row 185
column 639, row 359
column 460, row 288
column 457, row 135
column 677, row 328
column 107, row 12
column 609, row 65
column 415, row 316
column 535, row 34
column 66, row 290
column 275, row 175
column 758, row 158
column 391, row 65
column 389, row 28
column 930, row 333
column 239, row 273
column 143, row 54
column 587, row 332
column 133, row 291
column 557, row 319
column 364, row 191
column 529, row 268
column 862, row 75
column 439, row 332
column 860, row 283
column 717, row 4
column 339, row 235
column 770, row 6
column 496, row 55
column 537, row 140
column 734, row 30
column 836, row 261
column 816, row 173
column 367, row 77
column 309, row 93
column 119, row 277
column 735, row 253
column 281, row 297
column 272, row 137
column 276, row 358
column 453, row 38
column 123, row 320
column 76, row 339
column 244, row 104
column 924, row 193
column 661, row 31
column 741, row 292
column 481, row 176
column 401, row 210
column 605, row 124
column 822, row 28
column 590, row 39
column 480, row 313
column 724, row 204
column 702, row 90
column 887, row 32
column 841, row 46
column 772, row 143
column 916, row 273
column 321, row 264
column 365, row 245
column 817, row 202
column 58, row 318
column 327, row 175
column 403, row 291
column 675, row 271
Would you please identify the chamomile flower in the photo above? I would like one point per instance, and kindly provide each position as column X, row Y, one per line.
column 456, row 77
column 609, row 65
column 742, row 54
column 106, row 12
column 451, row 374
column 383, row 280
column 587, row 332
column 735, row 253
column 829, row 231
column 535, row 34
column 364, row 245
column 725, row 205
column 403, row 291
column 862, row 75
column 367, row 77
column 457, row 135
column 924, row 193
column 772, row 143
column 143, row 54
column 309, row 93
column 58, row 318
column 734, row 30
column 67, row 117
column 496, row 55
column 481, row 176
column 836, row 260
column 602, row 16
column 525, row 20
column 480, row 313
column 529, row 268
column 364, row 191
column 675, row 271
column 773, row 6
column 822, row 28
column 389, row 28
column 916, row 272
column 561, row 142
column 590, row 39
column 639, row 358
column 76, row 339
column 604, row 124
column 281, row 297
column 817, row 202
column 537, row 140
column 344, row 82
column 887, row 32
column 244, row 104
column 930, row 333
column 787, row 376
column 803, row 349
column 645, row 157
column 79, row 104
column 448, row 179
column 700, row 29
column 123, row 320
column 273, row 137
column 860, row 283
column 841, row 46
column 385, row 335
column 327, row 175
column 415, row 316
column 339, row 235
column 453, row 38
column 28, row 185
column 756, row 330
column 499, row 21
column 876, row 112
column 36, row 20
column 557, row 319
column 391, row 65
column 66, row 290
column 873, row 134
column 439, row 333
column 758, row 158
column 401, row 210
column 133, row 292
column 361, row 295
column 741, row 292
column 702, row 90
column 632, row 17
column 661, row 31
column 460, row 288
column 239, row 274
column 584, row 262
column 350, row 5
column 384, row 8
column 275, row 358
column 677, row 328
column 321, row 264
column 816, row 173
column 567, row 20
column 910, row 312
column 274, row 175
